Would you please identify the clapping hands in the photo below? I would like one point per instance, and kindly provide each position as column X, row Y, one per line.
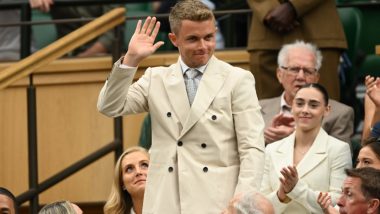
column 281, row 127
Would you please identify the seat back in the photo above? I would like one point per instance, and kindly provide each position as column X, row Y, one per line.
column 43, row 35
column 351, row 19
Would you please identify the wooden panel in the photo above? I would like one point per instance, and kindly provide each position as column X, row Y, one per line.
column 378, row 49
column 13, row 140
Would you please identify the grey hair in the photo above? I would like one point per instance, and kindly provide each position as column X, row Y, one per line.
column 250, row 204
column 283, row 54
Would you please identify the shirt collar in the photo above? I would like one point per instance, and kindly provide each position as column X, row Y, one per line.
column 285, row 108
column 184, row 67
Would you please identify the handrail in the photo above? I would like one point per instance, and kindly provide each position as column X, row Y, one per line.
column 62, row 46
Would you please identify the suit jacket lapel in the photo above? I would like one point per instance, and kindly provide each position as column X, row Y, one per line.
column 284, row 154
column 176, row 89
column 316, row 154
column 210, row 84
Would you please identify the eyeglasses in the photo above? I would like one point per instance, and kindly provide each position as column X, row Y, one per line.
column 295, row 70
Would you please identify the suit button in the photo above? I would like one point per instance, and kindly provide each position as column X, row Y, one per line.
column 205, row 169
column 203, row 145
column 179, row 143
column 169, row 114
column 213, row 117
column 170, row 169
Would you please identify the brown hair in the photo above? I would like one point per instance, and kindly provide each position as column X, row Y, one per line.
column 193, row 10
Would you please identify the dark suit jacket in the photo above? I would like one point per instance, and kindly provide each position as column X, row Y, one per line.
column 339, row 123
column 319, row 24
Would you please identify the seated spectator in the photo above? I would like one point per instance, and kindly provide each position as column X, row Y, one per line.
column 299, row 64
column 369, row 156
column 309, row 160
column 61, row 207
column 371, row 127
column 99, row 46
column 248, row 203
column 361, row 191
column 10, row 37
column 127, row 193
column 8, row 203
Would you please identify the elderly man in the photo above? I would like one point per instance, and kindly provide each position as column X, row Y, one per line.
column 360, row 192
column 298, row 64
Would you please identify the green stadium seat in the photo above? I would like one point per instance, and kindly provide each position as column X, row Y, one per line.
column 370, row 66
column 43, row 35
column 351, row 19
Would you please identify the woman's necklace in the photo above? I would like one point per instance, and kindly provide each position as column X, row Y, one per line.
column 302, row 151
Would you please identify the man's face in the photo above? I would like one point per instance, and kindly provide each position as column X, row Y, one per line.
column 292, row 81
column 195, row 41
column 352, row 199
column 6, row 205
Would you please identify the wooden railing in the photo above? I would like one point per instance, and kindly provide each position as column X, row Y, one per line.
column 62, row 46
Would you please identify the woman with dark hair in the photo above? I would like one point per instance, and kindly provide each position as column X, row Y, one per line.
column 127, row 193
column 300, row 166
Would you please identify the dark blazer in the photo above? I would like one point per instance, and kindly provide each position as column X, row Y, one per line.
column 339, row 123
column 319, row 24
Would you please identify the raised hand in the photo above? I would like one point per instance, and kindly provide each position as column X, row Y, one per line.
column 324, row 201
column 373, row 89
column 142, row 43
column 281, row 126
column 289, row 179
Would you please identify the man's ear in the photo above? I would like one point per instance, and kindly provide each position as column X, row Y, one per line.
column 279, row 75
column 373, row 205
column 317, row 76
column 173, row 39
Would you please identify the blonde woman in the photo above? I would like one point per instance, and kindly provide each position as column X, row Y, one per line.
column 127, row 193
column 61, row 207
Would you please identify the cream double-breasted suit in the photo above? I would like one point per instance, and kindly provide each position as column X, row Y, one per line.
column 321, row 170
column 201, row 155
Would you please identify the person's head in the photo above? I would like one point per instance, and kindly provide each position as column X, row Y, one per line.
column 310, row 105
column 193, row 30
column 129, row 180
column 253, row 203
column 61, row 207
column 360, row 191
column 298, row 64
column 7, row 202
column 369, row 154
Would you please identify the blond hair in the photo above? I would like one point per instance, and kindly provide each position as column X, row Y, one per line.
column 193, row 10
column 120, row 201
column 58, row 207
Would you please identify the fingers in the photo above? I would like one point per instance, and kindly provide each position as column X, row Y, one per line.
column 138, row 27
column 145, row 25
column 156, row 29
